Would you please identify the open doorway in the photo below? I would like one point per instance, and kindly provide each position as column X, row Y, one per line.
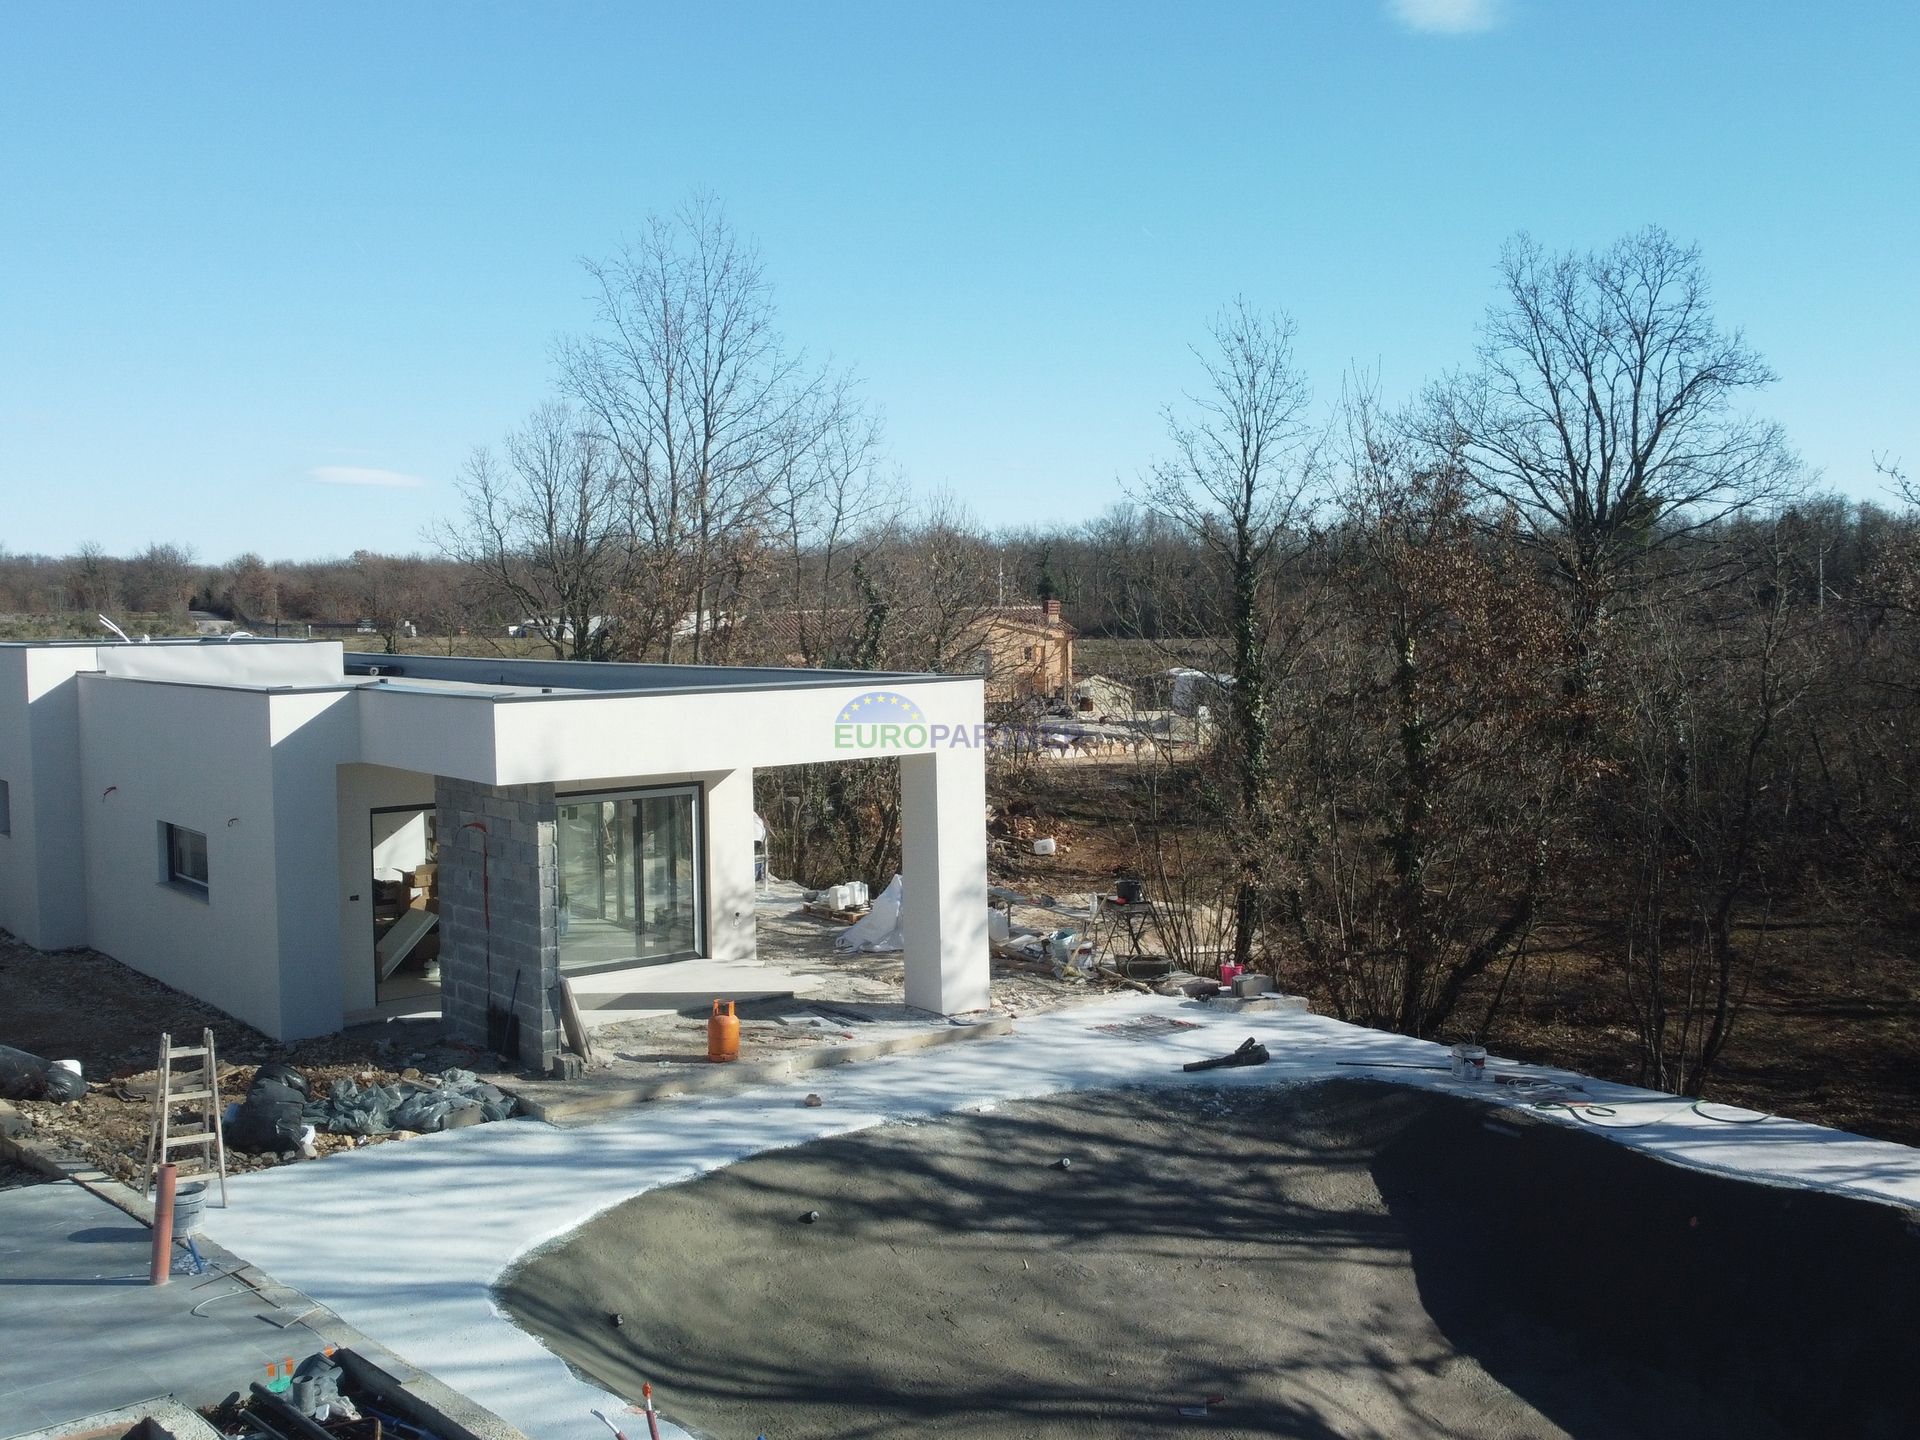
column 406, row 904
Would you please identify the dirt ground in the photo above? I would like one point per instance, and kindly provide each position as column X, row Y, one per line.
column 1312, row 1262
column 1830, row 1032
column 81, row 1005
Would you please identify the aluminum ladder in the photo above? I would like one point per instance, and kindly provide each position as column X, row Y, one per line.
column 199, row 1087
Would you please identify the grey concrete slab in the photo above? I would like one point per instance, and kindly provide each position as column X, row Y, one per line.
column 82, row 1331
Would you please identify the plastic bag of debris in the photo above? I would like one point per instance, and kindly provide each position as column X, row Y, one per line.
column 272, row 1117
column 352, row 1109
column 28, row 1077
column 452, row 1099
column 880, row 928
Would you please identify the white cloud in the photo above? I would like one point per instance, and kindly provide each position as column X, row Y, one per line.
column 1446, row 17
column 355, row 475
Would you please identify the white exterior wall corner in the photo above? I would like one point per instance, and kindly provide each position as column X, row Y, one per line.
column 435, row 734
column 312, row 734
column 730, row 888
column 42, row 862
column 943, row 858
column 200, row 757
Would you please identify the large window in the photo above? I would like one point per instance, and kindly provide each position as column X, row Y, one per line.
column 186, row 859
column 629, row 878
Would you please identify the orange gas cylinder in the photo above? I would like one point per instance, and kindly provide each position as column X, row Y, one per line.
column 723, row 1033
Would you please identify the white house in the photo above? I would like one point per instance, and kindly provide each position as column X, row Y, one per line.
column 227, row 815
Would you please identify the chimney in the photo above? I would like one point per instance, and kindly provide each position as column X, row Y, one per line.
column 1053, row 612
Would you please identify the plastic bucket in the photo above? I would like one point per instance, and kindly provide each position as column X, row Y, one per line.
column 189, row 1208
column 1470, row 1063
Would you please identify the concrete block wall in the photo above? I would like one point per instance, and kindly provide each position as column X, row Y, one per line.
column 509, row 910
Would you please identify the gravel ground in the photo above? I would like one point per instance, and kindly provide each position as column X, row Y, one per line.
column 1232, row 1247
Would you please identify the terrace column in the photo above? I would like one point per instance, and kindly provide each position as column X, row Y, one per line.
column 499, row 912
column 943, row 821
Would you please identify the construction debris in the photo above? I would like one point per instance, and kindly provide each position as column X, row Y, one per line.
column 448, row 1101
column 272, row 1117
column 1251, row 1052
column 881, row 928
column 28, row 1077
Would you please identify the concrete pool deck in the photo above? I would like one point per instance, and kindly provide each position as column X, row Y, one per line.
column 406, row 1241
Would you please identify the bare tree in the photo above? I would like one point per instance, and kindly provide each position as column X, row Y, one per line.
column 546, row 527
column 1239, row 483
column 829, row 512
column 1603, row 409
column 1430, row 792
column 935, row 580
column 701, row 410
column 161, row 580
column 1709, row 793
column 91, row 580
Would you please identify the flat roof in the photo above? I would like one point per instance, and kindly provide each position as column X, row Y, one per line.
column 542, row 679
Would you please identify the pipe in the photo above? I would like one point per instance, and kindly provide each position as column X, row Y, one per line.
column 163, row 1224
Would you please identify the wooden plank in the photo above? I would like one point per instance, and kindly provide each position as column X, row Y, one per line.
column 571, row 1022
column 398, row 942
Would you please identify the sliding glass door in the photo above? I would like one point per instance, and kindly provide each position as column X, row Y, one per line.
column 629, row 878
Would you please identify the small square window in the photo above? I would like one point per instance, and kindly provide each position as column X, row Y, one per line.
column 6, row 809
column 187, row 858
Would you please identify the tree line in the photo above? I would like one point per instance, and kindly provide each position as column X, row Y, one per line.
column 1570, row 634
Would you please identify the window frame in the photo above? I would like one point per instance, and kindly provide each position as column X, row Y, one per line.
column 702, row 888
column 200, row 887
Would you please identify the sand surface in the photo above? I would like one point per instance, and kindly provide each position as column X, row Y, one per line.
column 1308, row 1255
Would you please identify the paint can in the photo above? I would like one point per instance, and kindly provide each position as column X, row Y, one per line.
column 1470, row 1063
column 189, row 1208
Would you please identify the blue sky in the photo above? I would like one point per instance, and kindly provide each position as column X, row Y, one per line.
column 252, row 257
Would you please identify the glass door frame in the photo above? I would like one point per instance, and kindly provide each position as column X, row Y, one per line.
column 698, row 792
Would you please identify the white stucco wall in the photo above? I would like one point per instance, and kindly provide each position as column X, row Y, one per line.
column 202, row 758
column 555, row 737
column 560, row 738
column 231, row 662
column 253, row 771
column 42, row 884
column 312, row 734
column 43, row 868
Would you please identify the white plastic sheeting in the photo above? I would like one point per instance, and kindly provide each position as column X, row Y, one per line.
column 405, row 1240
column 881, row 928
